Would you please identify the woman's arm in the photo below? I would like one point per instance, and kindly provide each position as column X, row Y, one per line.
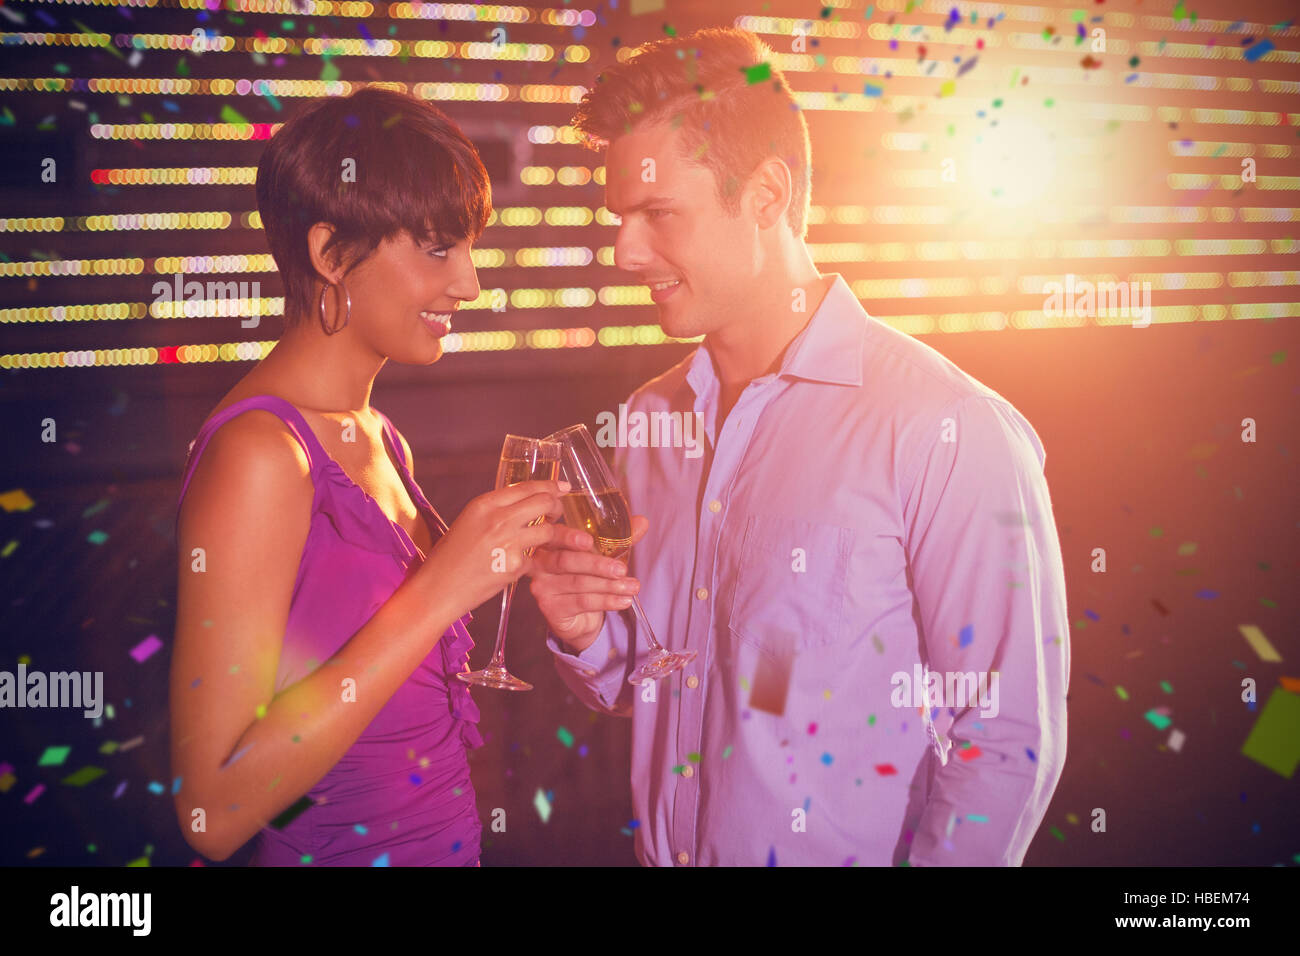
column 249, row 508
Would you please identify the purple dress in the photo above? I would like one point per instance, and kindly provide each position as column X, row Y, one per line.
column 401, row 795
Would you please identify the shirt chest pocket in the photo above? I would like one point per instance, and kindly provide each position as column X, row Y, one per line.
column 791, row 583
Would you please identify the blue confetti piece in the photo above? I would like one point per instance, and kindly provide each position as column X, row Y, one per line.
column 455, row 846
column 365, row 34
column 176, row 785
column 1207, row 594
column 633, row 823
column 381, row 860
column 826, row 759
column 967, row 635
column 870, row 89
column 1091, row 614
column 1031, row 755
column 360, row 828
column 771, row 856
column 155, row 787
column 1259, row 49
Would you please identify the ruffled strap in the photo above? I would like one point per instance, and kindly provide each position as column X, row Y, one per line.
column 456, row 645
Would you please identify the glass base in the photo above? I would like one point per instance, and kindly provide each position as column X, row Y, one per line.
column 497, row 677
column 660, row 665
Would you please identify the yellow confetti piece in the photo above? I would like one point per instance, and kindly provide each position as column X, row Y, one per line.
column 9, row 549
column 1260, row 643
column 16, row 500
column 948, row 88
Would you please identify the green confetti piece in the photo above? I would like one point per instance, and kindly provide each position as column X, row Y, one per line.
column 53, row 756
column 1159, row 721
column 1048, row 102
column 871, row 721
column 668, row 29
column 1166, row 687
column 1058, row 834
column 1267, row 603
column 1274, row 741
column 1123, row 694
column 543, row 805
column 182, row 68
column 97, row 537
column 305, row 858
column 1077, row 16
column 757, row 74
column 108, row 747
column 139, row 861
column 84, row 776
column 1157, row 532
column 566, row 738
column 727, row 752
column 679, row 768
column 693, row 757
column 1278, row 358
column 231, row 115
column 977, row 818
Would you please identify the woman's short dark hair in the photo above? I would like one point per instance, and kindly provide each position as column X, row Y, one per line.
column 702, row 84
column 372, row 164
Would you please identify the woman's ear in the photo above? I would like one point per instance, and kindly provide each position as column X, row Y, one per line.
column 326, row 266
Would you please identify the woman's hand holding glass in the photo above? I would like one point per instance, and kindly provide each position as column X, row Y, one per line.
column 464, row 561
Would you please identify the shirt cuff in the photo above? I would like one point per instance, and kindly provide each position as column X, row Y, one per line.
column 592, row 659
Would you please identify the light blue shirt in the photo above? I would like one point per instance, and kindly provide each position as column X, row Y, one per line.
column 869, row 518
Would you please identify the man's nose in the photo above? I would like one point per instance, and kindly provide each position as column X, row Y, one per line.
column 630, row 252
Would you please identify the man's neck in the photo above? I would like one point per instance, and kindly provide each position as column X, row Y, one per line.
column 755, row 344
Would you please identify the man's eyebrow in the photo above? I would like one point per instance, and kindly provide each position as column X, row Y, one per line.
column 653, row 200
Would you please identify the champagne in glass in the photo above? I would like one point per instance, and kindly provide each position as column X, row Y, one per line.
column 522, row 459
column 595, row 504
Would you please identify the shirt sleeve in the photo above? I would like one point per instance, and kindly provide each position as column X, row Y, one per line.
column 986, row 571
column 598, row 676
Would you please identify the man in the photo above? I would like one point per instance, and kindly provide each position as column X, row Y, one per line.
column 868, row 529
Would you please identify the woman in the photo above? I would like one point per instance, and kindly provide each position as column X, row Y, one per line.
column 322, row 601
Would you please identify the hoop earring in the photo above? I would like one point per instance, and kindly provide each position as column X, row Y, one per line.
column 346, row 318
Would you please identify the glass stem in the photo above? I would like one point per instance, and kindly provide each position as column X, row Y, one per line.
column 655, row 648
column 499, row 651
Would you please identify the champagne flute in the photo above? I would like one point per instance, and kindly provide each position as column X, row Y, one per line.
column 522, row 459
column 595, row 504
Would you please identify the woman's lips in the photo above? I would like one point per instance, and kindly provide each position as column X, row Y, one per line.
column 439, row 323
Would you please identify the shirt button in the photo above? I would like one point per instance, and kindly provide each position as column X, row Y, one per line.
column 715, row 506
column 692, row 682
column 688, row 771
column 702, row 593
column 683, row 858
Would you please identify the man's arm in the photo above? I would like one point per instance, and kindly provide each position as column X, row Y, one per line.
column 986, row 572
column 598, row 675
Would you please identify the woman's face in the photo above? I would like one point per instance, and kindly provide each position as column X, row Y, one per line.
column 404, row 295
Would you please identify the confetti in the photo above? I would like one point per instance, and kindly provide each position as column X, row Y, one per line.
column 1255, row 637
column 146, row 648
column 565, row 737
column 757, row 74
column 1258, row 50
column 1274, row 741
column 543, row 805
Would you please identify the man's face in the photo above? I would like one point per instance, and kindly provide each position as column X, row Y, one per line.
column 699, row 262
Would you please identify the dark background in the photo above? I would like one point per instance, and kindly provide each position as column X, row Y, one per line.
column 1142, row 428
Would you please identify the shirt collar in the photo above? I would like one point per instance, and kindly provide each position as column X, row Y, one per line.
column 829, row 349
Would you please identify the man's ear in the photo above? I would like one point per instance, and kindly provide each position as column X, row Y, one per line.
column 326, row 264
column 771, row 188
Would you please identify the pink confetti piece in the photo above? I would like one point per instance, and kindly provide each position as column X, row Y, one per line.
column 146, row 648
column 36, row 791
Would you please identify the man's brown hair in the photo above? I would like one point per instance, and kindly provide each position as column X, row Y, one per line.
column 701, row 83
